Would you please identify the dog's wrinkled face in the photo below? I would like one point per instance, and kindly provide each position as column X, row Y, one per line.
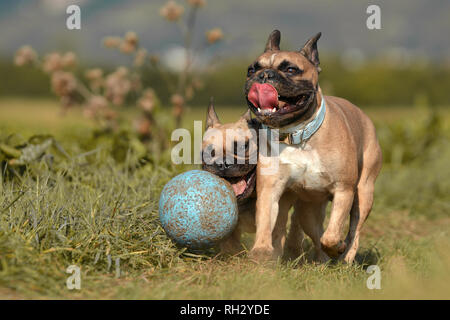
column 281, row 86
column 230, row 150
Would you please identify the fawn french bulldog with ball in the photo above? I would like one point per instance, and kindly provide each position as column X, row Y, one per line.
column 242, row 176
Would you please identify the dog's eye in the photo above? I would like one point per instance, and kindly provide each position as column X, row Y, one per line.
column 209, row 151
column 239, row 147
column 292, row 70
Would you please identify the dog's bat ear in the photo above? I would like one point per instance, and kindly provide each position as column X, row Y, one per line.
column 273, row 43
column 310, row 51
column 211, row 115
column 247, row 116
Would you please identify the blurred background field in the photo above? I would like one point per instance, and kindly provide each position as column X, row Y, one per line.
column 82, row 165
column 405, row 62
column 43, row 115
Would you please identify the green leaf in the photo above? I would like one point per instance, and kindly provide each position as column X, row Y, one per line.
column 10, row 151
column 32, row 152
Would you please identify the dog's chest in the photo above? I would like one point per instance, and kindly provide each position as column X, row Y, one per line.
column 305, row 168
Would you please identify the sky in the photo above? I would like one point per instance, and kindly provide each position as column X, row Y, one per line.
column 410, row 27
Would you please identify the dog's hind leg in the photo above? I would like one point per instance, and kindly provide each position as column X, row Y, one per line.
column 279, row 232
column 293, row 248
column 362, row 205
column 311, row 216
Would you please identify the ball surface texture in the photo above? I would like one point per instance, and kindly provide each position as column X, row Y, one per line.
column 197, row 209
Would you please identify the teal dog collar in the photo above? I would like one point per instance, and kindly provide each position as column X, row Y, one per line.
column 301, row 133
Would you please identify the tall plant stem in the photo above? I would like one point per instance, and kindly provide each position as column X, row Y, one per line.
column 182, row 79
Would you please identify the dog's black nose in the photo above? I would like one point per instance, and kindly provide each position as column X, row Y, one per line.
column 224, row 165
column 269, row 74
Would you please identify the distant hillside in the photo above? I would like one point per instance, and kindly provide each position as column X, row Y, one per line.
column 415, row 26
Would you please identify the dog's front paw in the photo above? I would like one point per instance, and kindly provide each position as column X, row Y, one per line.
column 261, row 254
column 333, row 247
column 321, row 257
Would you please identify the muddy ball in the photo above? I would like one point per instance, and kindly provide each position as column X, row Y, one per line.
column 197, row 209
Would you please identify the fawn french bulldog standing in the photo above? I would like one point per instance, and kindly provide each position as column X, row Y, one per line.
column 328, row 151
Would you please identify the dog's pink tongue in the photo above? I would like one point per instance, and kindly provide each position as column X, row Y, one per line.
column 239, row 187
column 263, row 95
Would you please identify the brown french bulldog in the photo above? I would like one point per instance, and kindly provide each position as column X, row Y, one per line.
column 328, row 151
column 242, row 176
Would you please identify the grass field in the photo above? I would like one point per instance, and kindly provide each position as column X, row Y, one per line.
column 88, row 210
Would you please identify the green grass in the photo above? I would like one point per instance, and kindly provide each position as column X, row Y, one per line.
column 91, row 211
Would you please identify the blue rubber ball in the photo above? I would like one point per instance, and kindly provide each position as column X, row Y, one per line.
column 197, row 209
